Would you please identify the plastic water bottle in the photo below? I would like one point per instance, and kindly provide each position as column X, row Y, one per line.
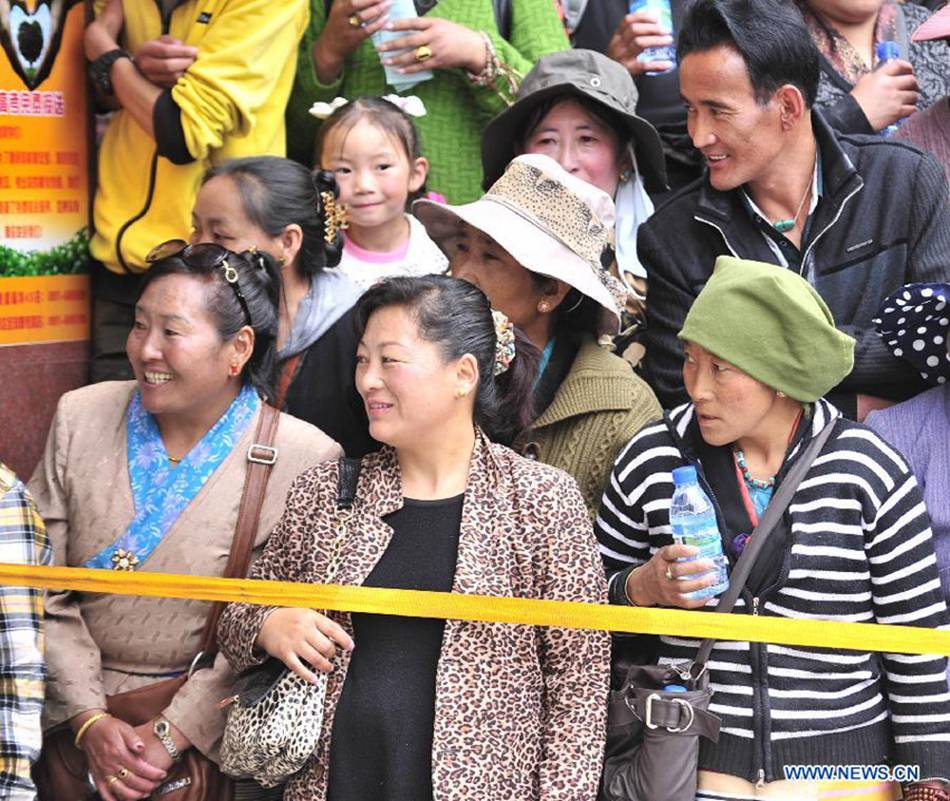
column 693, row 520
column 400, row 9
column 668, row 52
column 888, row 50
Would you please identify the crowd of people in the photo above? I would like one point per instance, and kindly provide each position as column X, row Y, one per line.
column 468, row 298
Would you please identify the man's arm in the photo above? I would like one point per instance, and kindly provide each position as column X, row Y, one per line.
column 135, row 93
column 928, row 261
column 668, row 302
column 22, row 541
column 929, row 235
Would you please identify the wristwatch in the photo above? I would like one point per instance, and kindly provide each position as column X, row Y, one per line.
column 100, row 69
column 163, row 730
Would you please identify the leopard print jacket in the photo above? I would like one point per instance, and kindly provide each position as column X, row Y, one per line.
column 519, row 710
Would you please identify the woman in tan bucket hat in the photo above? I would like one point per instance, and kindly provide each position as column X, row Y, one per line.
column 533, row 244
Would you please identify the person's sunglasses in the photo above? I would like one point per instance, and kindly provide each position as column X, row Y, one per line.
column 204, row 256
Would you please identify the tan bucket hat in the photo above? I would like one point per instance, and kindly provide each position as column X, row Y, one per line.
column 551, row 223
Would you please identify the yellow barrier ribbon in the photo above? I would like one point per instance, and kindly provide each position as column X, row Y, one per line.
column 453, row 606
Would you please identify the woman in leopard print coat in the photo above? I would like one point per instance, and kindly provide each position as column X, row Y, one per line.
column 421, row 709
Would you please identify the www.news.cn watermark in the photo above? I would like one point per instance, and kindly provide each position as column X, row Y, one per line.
column 853, row 773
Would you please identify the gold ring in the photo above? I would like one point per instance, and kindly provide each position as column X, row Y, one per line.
column 669, row 572
column 112, row 780
column 423, row 53
column 355, row 21
column 123, row 772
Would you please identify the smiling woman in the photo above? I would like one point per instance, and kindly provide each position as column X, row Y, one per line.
column 148, row 475
column 475, row 711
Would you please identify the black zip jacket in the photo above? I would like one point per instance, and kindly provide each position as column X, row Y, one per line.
column 883, row 220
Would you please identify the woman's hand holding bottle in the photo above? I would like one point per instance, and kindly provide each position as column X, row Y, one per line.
column 664, row 581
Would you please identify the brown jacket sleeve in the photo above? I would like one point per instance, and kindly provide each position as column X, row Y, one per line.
column 72, row 656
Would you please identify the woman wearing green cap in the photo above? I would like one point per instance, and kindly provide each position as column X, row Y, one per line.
column 854, row 545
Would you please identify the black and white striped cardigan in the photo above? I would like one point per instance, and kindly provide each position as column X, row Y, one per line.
column 861, row 550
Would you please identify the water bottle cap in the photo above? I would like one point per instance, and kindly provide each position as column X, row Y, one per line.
column 684, row 475
column 674, row 688
column 888, row 50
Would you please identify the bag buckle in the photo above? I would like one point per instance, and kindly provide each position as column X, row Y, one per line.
column 648, row 716
column 171, row 786
column 262, row 454
column 195, row 663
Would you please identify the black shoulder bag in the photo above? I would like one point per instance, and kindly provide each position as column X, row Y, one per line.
column 275, row 717
column 653, row 735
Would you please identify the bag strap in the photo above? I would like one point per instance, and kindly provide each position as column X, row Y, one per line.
column 346, row 482
column 502, row 10
column 286, row 376
column 901, row 33
column 773, row 513
column 261, row 457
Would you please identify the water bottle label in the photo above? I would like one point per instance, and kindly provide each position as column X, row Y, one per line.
column 665, row 11
column 662, row 7
column 708, row 548
column 710, row 592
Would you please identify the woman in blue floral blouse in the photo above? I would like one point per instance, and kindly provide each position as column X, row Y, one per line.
column 147, row 475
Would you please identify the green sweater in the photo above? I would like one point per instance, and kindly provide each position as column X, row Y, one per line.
column 599, row 406
column 457, row 110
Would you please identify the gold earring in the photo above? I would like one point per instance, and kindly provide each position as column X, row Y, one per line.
column 461, row 392
column 282, row 261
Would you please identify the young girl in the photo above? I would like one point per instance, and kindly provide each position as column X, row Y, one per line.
column 372, row 147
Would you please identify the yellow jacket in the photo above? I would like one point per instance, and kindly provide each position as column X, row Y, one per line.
column 232, row 102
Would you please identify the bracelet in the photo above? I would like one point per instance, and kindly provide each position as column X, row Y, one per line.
column 627, row 594
column 923, row 793
column 493, row 69
column 86, row 726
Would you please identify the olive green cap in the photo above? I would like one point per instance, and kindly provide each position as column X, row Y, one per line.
column 771, row 324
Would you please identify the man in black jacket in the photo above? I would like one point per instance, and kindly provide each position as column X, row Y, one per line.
column 856, row 216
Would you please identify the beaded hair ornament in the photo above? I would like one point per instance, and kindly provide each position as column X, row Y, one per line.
column 334, row 216
column 504, row 342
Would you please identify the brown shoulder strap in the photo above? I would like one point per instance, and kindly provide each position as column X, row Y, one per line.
column 288, row 372
column 261, row 457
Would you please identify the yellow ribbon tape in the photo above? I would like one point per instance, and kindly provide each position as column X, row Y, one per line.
column 452, row 606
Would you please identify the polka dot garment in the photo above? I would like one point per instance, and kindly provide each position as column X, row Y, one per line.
column 914, row 323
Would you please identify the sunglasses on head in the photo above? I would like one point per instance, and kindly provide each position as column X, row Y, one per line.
column 204, row 256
